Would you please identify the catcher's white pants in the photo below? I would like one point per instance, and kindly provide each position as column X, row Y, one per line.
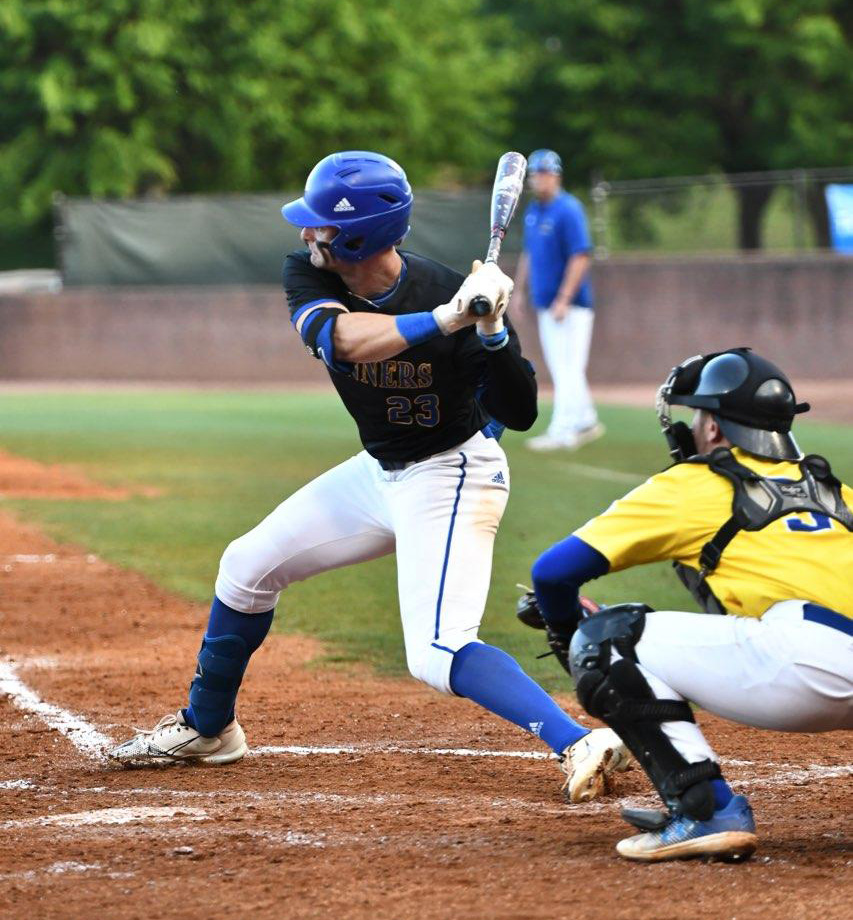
column 565, row 347
column 441, row 514
column 779, row 672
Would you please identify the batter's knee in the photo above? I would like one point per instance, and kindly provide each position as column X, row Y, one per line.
column 244, row 581
column 431, row 664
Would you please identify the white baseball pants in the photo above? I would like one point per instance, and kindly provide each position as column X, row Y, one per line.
column 779, row 672
column 440, row 514
column 565, row 347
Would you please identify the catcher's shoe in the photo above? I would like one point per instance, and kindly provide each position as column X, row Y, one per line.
column 589, row 762
column 729, row 835
column 172, row 740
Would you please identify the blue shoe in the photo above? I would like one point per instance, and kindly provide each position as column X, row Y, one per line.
column 728, row 835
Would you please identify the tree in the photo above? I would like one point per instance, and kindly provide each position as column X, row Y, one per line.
column 121, row 97
column 674, row 87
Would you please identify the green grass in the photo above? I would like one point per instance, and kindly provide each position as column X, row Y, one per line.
column 223, row 460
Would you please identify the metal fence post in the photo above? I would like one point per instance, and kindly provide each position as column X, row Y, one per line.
column 800, row 209
column 600, row 229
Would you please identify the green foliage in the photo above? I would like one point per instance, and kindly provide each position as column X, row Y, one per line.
column 126, row 97
column 120, row 97
column 220, row 461
column 673, row 88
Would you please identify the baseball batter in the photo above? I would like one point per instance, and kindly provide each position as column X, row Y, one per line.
column 759, row 534
column 430, row 387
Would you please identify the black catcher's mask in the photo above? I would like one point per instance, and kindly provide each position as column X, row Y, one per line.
column 751, row 399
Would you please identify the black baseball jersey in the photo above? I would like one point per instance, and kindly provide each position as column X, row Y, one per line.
column 429, row 397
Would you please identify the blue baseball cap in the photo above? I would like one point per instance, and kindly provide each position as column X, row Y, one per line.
column 545, row 161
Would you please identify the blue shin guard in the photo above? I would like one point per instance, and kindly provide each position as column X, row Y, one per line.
column 221, row 664
column 230, row 640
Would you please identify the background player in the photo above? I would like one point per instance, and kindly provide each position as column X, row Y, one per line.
column 555, row 266
column 777, row 558
column 430, row 392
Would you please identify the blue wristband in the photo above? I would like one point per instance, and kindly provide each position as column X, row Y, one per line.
column 417, row 327
column 496, row 341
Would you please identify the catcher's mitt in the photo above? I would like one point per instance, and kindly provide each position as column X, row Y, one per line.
column 527, row 610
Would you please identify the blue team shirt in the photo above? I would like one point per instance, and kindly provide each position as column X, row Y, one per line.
column 553, row 233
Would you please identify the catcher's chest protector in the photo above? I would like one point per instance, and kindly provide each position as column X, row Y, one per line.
column 757, row 502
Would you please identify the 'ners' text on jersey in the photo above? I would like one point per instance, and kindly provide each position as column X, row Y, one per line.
column 394, row 375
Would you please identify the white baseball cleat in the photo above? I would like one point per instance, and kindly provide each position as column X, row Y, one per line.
column 547, row 442
column 586, row 435
column 587, row 764
column 172, row 740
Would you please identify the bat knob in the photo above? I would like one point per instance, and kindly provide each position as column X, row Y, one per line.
column 480, row 306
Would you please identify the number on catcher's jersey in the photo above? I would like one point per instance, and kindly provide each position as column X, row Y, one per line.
column 821, row 522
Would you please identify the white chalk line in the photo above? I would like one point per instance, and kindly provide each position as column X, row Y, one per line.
column 88, row 740
column 47, row 558
column 299, row 750
column 85, row 737
column 304, row 800
column 602, row 472
column 377, row 799
column 792, row 772
column 63, row 868
column 17, row 784
column 102, row 816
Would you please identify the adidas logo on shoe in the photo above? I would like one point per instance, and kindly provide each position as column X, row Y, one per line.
column 499, row 479
column 343, row 205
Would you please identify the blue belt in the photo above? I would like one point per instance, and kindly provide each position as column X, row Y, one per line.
column 828, row 617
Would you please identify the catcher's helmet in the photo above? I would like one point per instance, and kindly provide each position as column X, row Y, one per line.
column 545, row 161
column 751, row 399
column 365, row 195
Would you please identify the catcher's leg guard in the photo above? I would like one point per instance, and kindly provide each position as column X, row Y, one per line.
column 213, row 692
column 617, row 693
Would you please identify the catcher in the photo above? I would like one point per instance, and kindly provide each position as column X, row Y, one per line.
column 763, row 538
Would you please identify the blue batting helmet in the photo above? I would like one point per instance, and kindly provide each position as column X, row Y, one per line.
column 365, row 195
column 545, row 161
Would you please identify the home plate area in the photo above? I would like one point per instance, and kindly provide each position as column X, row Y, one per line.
column 364, row 797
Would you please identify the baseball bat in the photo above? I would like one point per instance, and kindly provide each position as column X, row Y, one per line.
column 506, row 191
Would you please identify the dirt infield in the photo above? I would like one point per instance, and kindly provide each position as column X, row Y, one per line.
column 413, row 816
column 24, row 478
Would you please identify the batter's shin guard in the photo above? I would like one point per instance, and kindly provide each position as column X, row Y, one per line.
column 617, row 693
column 219, row 673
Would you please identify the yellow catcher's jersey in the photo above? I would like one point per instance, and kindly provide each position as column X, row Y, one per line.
column 673, row 514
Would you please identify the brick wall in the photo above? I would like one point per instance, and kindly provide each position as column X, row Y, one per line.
column 651, row 314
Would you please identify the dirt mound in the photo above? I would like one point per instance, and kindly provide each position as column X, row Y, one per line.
column 21, row 477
